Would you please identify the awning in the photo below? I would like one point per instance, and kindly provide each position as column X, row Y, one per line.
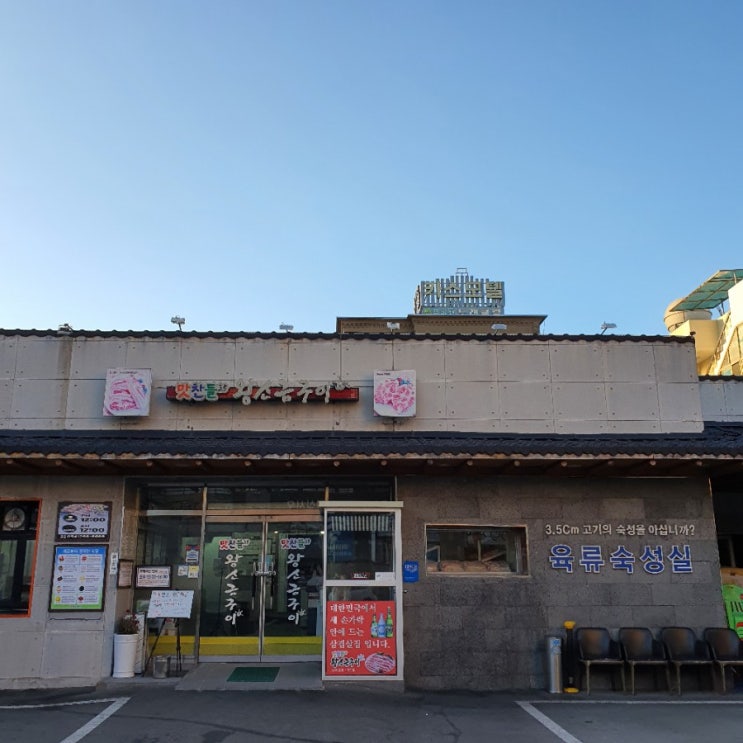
column 712, row 293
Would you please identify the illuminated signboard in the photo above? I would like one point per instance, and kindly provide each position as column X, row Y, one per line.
column 460, row 294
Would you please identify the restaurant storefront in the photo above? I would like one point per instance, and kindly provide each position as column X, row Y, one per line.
column 419, row 508
column 275, row 570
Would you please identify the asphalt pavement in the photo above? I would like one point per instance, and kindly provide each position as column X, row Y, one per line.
column 157, row 711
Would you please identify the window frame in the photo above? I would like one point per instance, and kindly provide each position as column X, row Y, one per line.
column 20, row 608
column 466, row 567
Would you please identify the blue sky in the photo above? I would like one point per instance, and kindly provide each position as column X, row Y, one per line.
column 246, row 164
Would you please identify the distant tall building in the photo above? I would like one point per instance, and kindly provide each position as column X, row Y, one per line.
column 718, row 340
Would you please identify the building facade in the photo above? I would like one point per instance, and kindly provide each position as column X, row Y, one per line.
column 459, row 497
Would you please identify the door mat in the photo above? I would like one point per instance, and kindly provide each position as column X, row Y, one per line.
column 260, row 673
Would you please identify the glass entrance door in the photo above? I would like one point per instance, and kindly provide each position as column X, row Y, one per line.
column 260, row 592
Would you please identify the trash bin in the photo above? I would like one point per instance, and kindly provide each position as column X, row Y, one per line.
column 160, row 666
column 554, row 664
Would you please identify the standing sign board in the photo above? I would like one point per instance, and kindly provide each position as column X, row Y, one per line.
column 170, row 604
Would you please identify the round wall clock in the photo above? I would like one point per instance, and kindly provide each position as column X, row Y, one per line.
column 14, row 519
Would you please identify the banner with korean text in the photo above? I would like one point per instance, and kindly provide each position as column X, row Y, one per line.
column 360, row 638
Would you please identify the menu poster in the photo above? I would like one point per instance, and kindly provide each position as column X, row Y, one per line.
column 360, row 638
column 78, row 578
column 83, row 522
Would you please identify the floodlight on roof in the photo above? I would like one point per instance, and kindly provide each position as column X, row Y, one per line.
column 607, row 326
column 393, row 326
column 499, row 327
column 179, row 321
column 285, row 327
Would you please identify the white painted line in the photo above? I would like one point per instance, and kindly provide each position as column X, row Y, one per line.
column 114, row 707
column 62, row 704
column 552, row 726
column 116, row 703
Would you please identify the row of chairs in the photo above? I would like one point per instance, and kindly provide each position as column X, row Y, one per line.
column 675, row 648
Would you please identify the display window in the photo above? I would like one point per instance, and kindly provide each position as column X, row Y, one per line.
column 17, row 555
column 474, row 549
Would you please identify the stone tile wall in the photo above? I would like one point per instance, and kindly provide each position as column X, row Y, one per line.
column 488, row 633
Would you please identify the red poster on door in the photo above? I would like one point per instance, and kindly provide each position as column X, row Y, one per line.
column 360, row 638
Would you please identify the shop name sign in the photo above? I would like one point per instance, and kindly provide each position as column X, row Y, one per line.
column 250, row 392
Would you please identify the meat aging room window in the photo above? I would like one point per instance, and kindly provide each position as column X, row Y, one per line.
column 497, row 550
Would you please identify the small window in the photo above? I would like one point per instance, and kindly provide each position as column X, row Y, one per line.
column 360, row 546
column 17, row 552
column 495, row 550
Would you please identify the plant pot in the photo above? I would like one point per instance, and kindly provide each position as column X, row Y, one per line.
column 125, row 655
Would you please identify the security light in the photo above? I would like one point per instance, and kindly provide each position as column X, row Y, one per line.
column 393, row 326
column 607, row 326
column 287, row 328
column 499, row 327
column 179, row 321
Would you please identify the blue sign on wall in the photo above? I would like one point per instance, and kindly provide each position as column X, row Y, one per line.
column 410, row 571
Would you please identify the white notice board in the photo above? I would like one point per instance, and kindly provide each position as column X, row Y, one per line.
column 170, row 604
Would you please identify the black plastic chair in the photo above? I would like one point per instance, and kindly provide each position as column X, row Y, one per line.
column 596, row 648
column 726, row 648
column 684, row 648
column 640, row 648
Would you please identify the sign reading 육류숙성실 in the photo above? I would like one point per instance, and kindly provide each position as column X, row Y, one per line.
column 627, row 547
column 250, row 392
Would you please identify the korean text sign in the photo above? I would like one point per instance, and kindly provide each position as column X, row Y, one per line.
column 360, row 638
column 78, row 578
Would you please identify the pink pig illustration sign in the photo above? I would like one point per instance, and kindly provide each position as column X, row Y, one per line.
column 127, row 392
column 394, row 393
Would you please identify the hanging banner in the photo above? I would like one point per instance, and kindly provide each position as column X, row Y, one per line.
column 360, row 638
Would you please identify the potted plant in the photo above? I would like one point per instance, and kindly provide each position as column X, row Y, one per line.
column 128, row 624
column 126, row 640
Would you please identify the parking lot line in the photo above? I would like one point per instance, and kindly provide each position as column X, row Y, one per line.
column 552, row 726
column 115, row 704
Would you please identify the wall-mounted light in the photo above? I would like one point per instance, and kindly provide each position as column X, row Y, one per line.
column 393, row 326
column 64, row 329
column 499, row 327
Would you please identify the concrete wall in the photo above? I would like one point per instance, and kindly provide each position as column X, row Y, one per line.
column 488, row 632
column 722, row 399
column 535, row 386
column 61, row 649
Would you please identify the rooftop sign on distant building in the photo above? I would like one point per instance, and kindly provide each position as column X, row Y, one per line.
column 460, row 294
